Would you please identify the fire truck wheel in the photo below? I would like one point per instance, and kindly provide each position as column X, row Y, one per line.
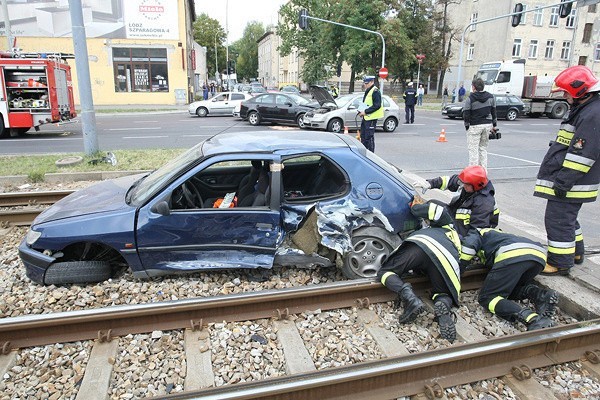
column 68, row 161
column 22, row 131
column 4, row 132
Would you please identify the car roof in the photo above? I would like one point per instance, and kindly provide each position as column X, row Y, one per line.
column 272, row 141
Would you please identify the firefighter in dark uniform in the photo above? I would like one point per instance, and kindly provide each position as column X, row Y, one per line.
column 570, row 174
column 374, row 111
column 433, row 251
column 475, row 205
column 513, row 262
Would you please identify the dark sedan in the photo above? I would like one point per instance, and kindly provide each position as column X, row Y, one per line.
column 507, row 106
column 287, row 108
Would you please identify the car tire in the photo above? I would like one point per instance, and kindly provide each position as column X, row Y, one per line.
column 512, row 114
column 336, row 125
column 559, row 110
column 300, row 121
column 254, row 118
column 69, row 272
column 371, row 246
column 451, row 117
column 390, row 124
column 201, row 112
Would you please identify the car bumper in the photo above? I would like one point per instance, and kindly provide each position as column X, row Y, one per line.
column 308, row 123
column 36, row 263
column 236, row 114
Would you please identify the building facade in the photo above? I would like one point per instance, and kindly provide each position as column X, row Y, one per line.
column 139, row 51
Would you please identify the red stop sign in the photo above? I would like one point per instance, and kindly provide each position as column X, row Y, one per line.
column 383, row 73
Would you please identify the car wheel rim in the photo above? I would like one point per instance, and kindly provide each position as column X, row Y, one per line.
column 202, row 112
column 391, row 125
column 252, row 118
column 336, row 127
column 512, row 115
column 301, row 121
column 367, row 257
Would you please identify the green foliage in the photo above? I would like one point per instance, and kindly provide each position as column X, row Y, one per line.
column 35, row 176
column 247, row 51
column 207, row 33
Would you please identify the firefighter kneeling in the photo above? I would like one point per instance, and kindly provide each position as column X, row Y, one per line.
column 513, row 261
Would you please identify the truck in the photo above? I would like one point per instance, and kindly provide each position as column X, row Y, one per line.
column 36, row 89
column 508, row 77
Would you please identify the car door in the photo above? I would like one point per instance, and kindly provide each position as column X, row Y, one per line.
column 220, row 104
column 235, row 100
column 285, row 109
column 187, row 239
column 501, row 106
column 351, row 119
column 266, row 106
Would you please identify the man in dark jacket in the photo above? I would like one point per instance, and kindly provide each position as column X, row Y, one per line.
column 570, row 174
column 433, row 251
column 410, row 99
column 478, row 107
column 513, row 262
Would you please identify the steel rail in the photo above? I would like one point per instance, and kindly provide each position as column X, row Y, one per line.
column 42, row 329
column 13, row 199
column 427, row 372
column 22, row 217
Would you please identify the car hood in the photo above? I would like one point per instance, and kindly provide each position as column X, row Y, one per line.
column 321, row 94
column 104, row 196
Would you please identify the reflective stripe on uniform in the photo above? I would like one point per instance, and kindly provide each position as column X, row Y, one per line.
column 565, row 136
column 448, row 262
column 561, row 247
column 435, row 212
column 492, row 304
column 467, row 253
column 445, row 180
column 385, row 276
column 578, row 163
column 518, row 250
column 463, row 214
column 576, row 192
column 578, row 235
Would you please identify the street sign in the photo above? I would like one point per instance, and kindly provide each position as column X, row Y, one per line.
column 420, row 58
column 383, row 73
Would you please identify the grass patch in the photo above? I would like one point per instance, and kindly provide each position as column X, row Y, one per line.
column 35, row 166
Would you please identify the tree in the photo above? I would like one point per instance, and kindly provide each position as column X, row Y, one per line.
column 207, row 31
column 247, row 50
column 446, row 34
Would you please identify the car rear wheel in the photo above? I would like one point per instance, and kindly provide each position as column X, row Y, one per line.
column 559, row 110
column 61, row 273
column 512, row 114
column 300, row 121
column 371, row 247
column 390, row 124
column 201, row 112
column 336, row 125
column 253, row 118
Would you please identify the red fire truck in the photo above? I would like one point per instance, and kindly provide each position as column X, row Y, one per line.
column 36, row 90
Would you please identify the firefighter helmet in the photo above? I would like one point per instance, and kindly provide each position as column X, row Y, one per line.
column 577, row 80
column 474, row 175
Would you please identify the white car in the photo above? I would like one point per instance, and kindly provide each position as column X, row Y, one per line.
column 221, row 104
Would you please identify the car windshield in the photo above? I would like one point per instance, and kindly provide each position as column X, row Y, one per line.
column 298, row 99
column 488, row 75
column 343, row 100
column 151, row 183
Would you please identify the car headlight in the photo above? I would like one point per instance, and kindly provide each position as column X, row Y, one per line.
column 318, row 117
column 32, row 236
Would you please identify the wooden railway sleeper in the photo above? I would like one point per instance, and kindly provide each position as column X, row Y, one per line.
column 5, row 349
column 593, row 356
column 105, row 336
column 434, row 392
column 282, row 314
column 196, row 324
column 521, row 373
column 363, row 303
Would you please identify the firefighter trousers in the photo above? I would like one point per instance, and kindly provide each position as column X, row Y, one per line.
column 565, row 238
column 501, row 286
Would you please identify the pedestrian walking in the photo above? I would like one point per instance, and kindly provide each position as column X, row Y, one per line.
column 461, row 93
column 205, row 92
column 570, row 172
column 410, row 99
column 445, row 97
column 420, row 93
column 374, row 111
column 453, row 94
column 433, row 251
column 478, row 107
column 213, row 89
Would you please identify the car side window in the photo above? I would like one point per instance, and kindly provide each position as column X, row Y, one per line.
column 356, row 103
column 268, row 99
column 385, row 102
column 221, row 97
column 281, row 100
column 312, row 177
column 237, row 96
column 501, row 100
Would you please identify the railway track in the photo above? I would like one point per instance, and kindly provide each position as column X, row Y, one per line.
column 21, row 208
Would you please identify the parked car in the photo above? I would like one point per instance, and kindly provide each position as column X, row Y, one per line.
column 290, row 89
column 233, row 201
column 334, row 114
column 255, row 90
column 507, row 106
column 277, row 107
column 220, row 104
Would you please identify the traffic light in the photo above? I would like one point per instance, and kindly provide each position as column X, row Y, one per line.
column 516, row 19
column 339, row 70
column 302, row 20
column 564, row 10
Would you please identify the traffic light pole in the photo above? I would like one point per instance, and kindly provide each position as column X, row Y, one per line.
column 360, row 29
column 462, row 39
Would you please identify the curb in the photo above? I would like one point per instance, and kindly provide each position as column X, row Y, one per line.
column 64, row 177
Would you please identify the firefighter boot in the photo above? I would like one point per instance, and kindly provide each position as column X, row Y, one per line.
column 545, row 300
column 579, row 259
column 412, row 304
column 533, row 320
column 442, row 309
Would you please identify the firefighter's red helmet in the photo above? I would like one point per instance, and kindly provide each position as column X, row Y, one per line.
column 577, row 80
column 474, row 175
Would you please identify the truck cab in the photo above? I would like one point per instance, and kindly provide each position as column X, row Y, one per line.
column 503, row 77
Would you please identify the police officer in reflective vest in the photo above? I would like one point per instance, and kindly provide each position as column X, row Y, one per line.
column 570, row 174
column 513, row 262
column 374, row 111
column 433, row 251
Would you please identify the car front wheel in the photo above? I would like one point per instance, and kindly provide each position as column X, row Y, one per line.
column 253, row 118
column 300, row 121
column 512, row 114
column 371, row 246
column 390, row 124
column 69, row 272
column 201, row 112
column 335, row 125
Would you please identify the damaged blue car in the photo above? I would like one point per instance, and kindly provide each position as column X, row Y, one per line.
column 236, row 200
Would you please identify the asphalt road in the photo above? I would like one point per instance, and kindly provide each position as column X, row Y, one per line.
column 513, row 160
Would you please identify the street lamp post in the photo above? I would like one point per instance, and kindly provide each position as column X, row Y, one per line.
column 420, row 58
column 216, row 62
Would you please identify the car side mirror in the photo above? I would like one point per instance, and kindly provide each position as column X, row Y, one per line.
column 162, row 208
column 288, row 104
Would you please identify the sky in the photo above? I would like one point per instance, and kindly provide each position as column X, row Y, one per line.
column 239, row 13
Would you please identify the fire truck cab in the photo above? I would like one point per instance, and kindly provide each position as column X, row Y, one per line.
column 36, row 89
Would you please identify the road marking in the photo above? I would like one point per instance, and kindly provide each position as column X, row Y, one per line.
column 143, row 122
column 197, row 135
column 143, row 137
column 547, row 124
column 134, row 129
column 515, row 158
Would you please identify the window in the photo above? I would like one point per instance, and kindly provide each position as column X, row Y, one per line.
column 582, row 60
column 592, row 8
column 549, row 50
column 587, row 33
column 474, row 19
column 501, row 100
column 470, row 51
column 571, row 19
column 538, row 16
column 565, row 52
column 533, row 48
column 312, row 177
column 140, row 69
column 524, row 15
column 554, row 16
column 503, row 76
column 516, row 52
column 266, row 99
column 597, row 52
column 237, row 96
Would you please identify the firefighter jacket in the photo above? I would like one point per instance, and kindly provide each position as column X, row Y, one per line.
column 570, row 163
column 440, row 242
column 498, row 249
column 470, row 210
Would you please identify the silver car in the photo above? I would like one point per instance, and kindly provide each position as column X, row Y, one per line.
column 333, row 115
column 222, row 104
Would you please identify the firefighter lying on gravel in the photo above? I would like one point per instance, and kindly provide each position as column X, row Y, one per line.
column 513, row 261
column 475, row 205
column 433, row 251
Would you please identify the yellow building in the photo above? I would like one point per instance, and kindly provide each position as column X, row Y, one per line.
column 140, row 51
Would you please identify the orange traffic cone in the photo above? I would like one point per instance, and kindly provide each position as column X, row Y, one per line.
column 345, row 130
column 442, row 137
column 358, row 134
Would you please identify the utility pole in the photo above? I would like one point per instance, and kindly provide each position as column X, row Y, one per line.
column 7, row 27
column 227, row 39
column 88, row 116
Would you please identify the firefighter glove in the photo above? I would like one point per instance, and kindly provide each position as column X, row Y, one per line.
column 560, row 192
column 424, row 186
